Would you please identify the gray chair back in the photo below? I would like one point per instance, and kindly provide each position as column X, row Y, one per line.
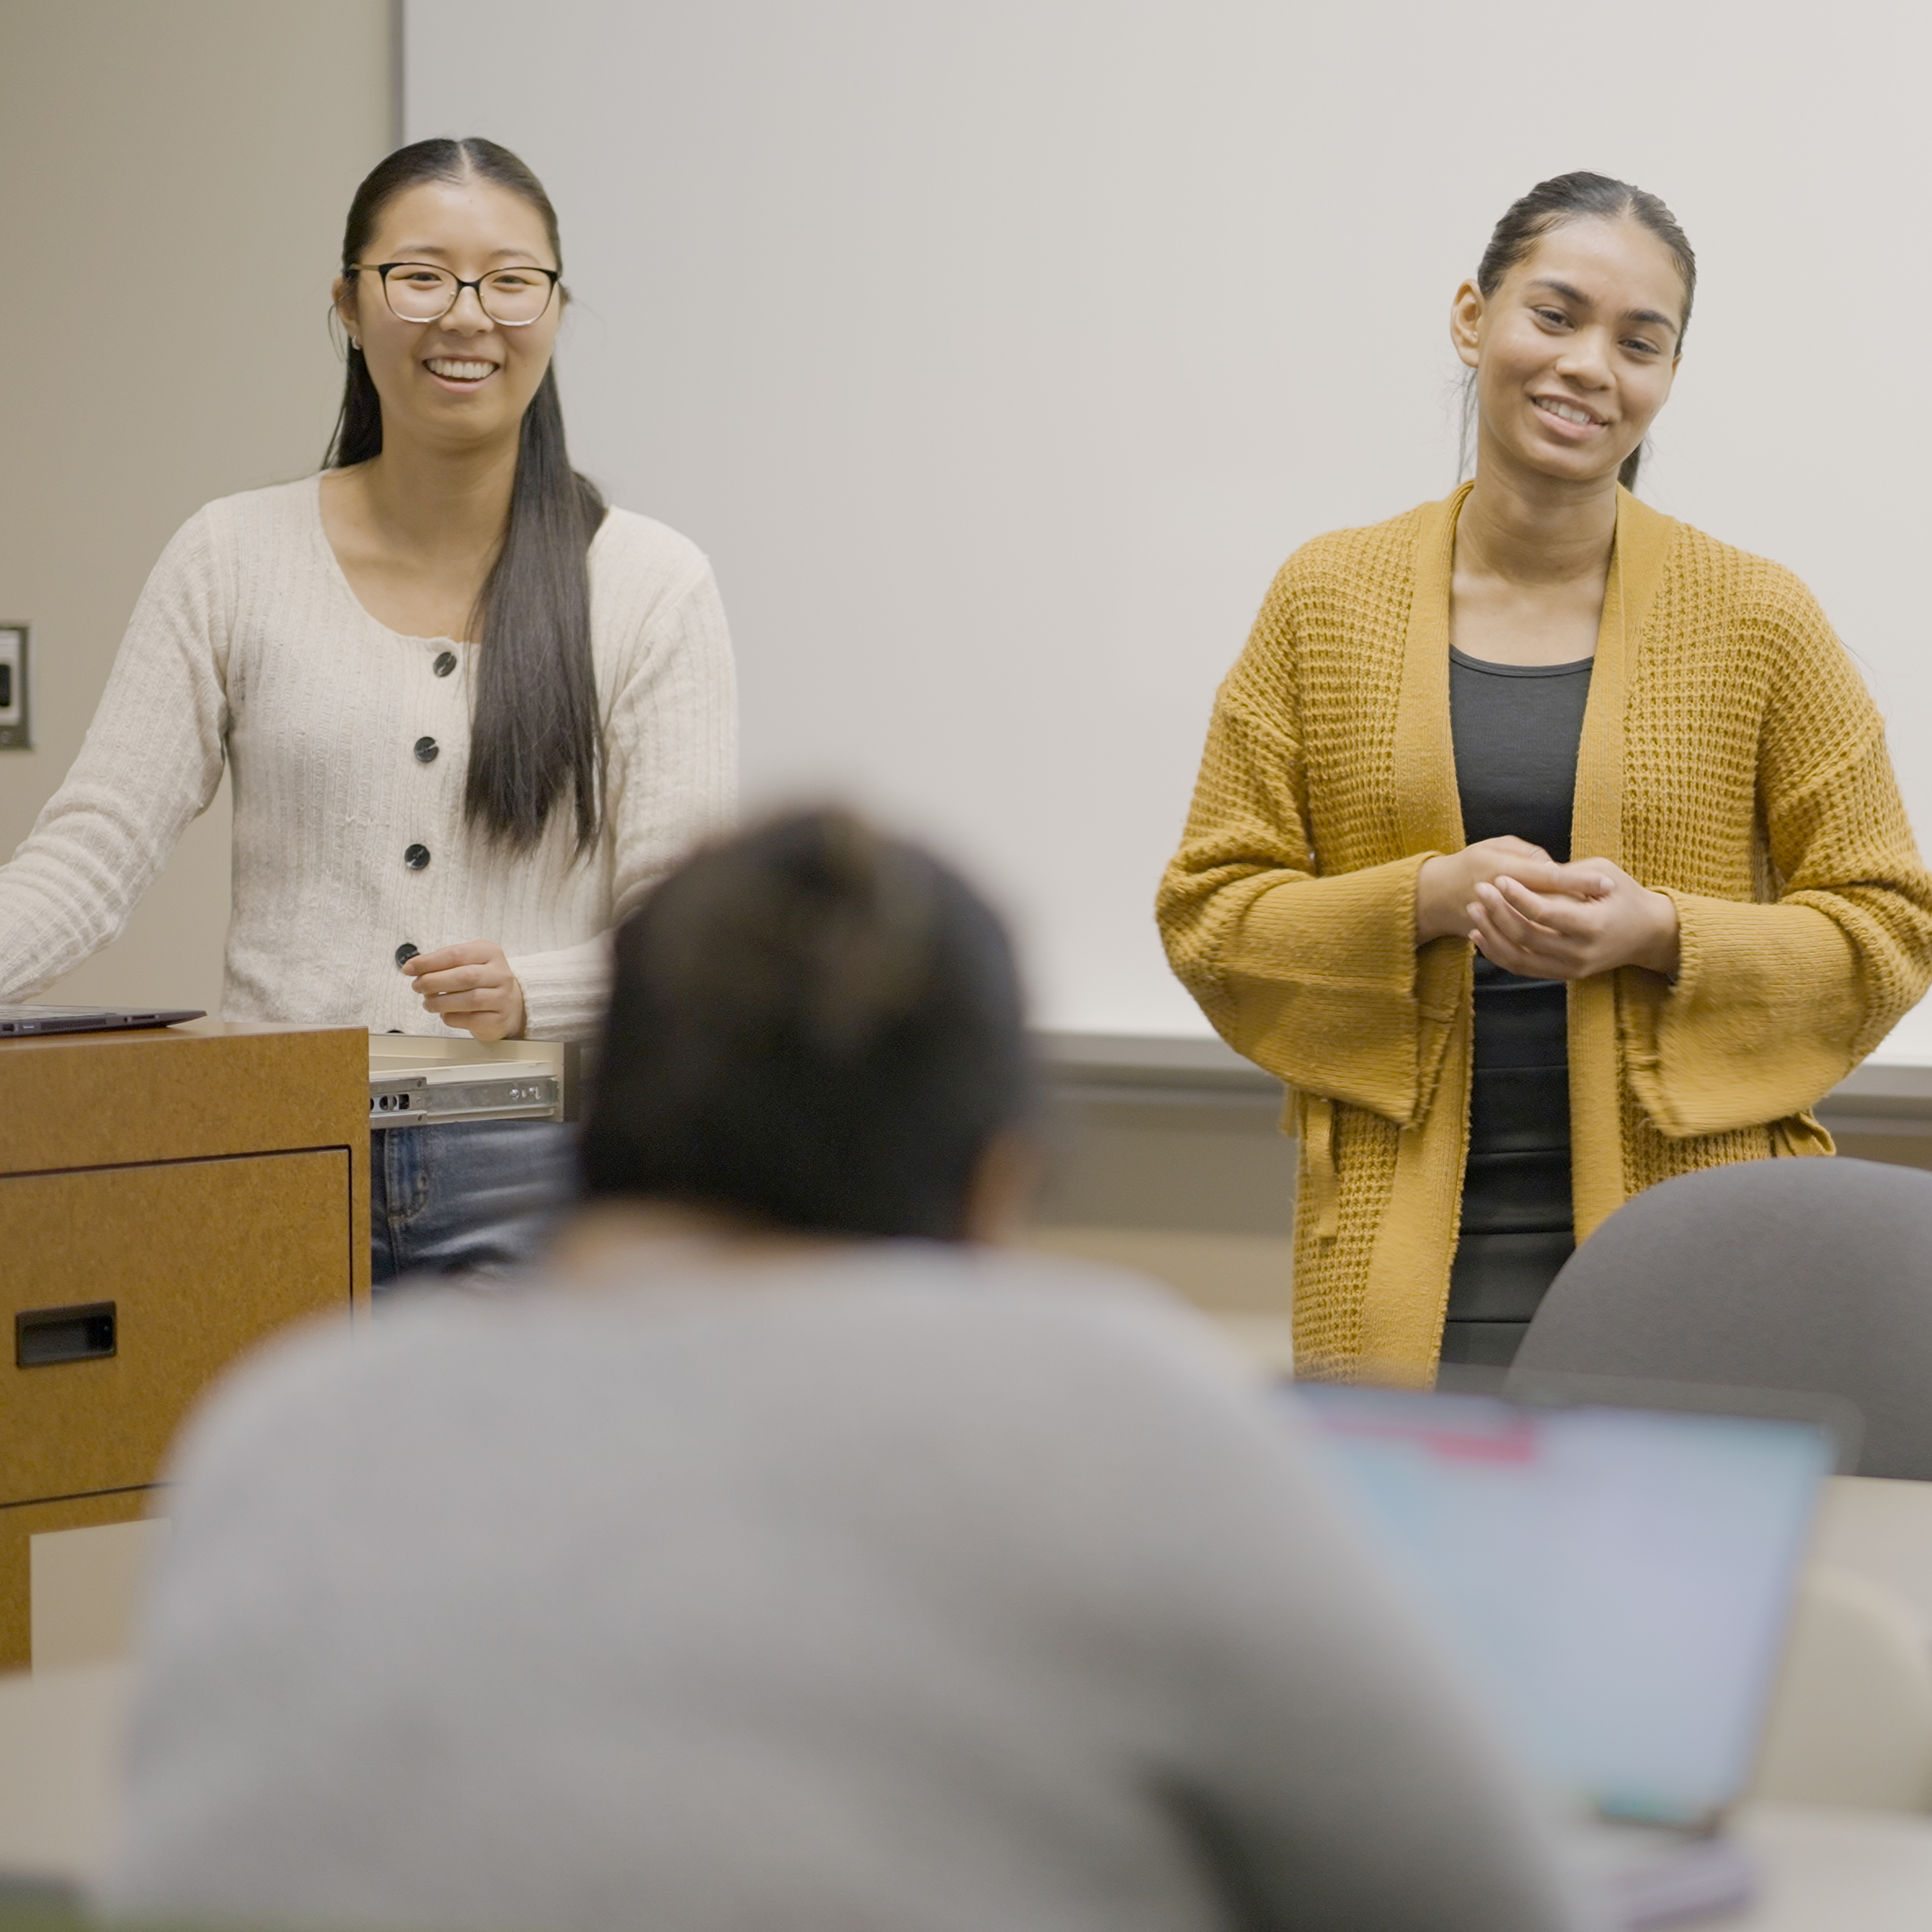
column 1794, row 1274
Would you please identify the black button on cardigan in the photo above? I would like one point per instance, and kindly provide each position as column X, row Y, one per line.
column 426, row 749
column 416, row 858
column 445, row 662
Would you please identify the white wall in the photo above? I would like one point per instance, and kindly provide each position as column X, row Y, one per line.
column 999, row 353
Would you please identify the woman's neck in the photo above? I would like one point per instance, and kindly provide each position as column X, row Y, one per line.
column 440, row 502
column 1529, row 531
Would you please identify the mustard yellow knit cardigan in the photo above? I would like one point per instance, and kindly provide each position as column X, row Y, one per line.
column 1731, row 757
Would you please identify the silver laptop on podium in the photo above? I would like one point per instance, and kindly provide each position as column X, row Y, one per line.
column 1620, row 1580
column 19, row 1020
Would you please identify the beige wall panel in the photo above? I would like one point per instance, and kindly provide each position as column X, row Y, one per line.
column 1907, row 1149
column 1225, row 1274
column 173, row 182
column 1199, row 1195
column 1221, row 1166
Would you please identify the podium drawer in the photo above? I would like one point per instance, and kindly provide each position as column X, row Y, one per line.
column 124, row 1290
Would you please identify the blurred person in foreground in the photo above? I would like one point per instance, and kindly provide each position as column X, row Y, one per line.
column 809, row 1560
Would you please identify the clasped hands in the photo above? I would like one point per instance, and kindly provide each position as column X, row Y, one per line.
column 1531, row 916
column 471, row 986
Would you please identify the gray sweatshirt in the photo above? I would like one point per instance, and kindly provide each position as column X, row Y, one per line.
column 900, row 1589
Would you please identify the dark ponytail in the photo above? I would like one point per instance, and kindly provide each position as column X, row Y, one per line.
column 814, row 1026
column 1566, row 198
column 534, row 737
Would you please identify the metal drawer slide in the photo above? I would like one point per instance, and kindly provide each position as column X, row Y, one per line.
column 435, row 1092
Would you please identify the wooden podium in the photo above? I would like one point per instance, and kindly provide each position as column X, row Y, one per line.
column 168, row 1199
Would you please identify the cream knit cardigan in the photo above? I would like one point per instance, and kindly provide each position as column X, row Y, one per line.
column 249, row 645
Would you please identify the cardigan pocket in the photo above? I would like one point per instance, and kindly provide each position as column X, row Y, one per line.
column 1320, row 1188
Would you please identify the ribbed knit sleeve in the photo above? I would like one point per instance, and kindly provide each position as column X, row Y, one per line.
column 1311, row 973
column 671, row 742
column 1774, row 1002
column 150, row 763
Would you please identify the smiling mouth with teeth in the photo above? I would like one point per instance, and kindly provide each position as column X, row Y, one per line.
column 1570, row 412
column 453, row 371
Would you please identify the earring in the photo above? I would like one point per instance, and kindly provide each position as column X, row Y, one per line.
column 355, row 343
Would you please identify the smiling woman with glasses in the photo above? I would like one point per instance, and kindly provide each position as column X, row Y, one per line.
column 472, row 715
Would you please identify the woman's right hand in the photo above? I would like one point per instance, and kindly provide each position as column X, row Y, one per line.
column 1447, row 883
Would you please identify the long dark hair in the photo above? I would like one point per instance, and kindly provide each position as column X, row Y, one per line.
column 1566, row 198
column 533, row 735
column 812, row 1025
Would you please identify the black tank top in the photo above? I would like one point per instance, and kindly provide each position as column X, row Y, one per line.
column 1516, row 729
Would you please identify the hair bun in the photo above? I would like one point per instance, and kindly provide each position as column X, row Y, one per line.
column 856, row 912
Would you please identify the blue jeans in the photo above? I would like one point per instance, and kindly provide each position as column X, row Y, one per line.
column 476, row 1199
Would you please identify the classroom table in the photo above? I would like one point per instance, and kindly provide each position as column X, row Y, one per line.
column 1832, row 1871
column 1826, row 1869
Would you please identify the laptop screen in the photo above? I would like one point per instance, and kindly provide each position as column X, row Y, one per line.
column 1619, row 1578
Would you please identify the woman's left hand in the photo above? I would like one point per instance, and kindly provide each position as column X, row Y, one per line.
column 471, row 986
column 1598, row 919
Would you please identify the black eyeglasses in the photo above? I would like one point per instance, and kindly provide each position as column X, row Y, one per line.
column 420, row 292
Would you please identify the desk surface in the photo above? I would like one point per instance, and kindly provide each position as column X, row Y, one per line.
column 1828, row 1870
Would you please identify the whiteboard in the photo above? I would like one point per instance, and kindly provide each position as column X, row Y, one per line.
column 997, row 355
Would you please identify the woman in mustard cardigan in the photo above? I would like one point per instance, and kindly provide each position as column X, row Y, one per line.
column 1544, row 846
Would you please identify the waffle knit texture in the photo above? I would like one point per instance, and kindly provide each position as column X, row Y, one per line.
column 249, row 647
column 1731, row 757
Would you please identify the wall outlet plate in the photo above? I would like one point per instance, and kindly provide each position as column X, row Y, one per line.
column 16, row 723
